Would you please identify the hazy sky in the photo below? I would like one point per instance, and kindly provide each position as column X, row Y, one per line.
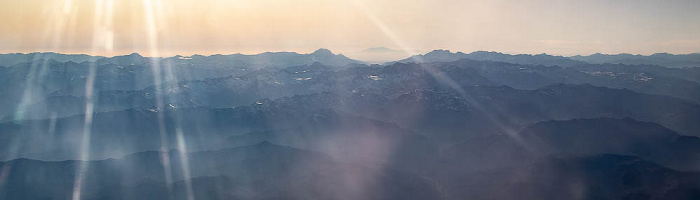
column 169, row 27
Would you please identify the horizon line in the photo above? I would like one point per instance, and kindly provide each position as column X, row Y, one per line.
column 334, row 53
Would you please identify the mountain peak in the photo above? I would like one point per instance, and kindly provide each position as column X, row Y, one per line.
column 439, row 51
column 130, row 56
column 323, row 51
column 380, row 49
column 137, row 55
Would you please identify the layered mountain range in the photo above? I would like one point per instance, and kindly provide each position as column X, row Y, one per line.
column 442, row 125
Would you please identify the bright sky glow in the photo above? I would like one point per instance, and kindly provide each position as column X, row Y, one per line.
column 251, row 26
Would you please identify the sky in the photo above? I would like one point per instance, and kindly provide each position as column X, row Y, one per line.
column 182, row 27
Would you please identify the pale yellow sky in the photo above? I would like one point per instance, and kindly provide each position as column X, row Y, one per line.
column 170, row 27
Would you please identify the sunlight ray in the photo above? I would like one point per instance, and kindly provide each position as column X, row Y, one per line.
column 102, row 42
column 153, row 48
column 185, row 162
column 436, row 73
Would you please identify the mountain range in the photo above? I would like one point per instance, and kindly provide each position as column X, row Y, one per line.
column 442, row 125
column 660, row 59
